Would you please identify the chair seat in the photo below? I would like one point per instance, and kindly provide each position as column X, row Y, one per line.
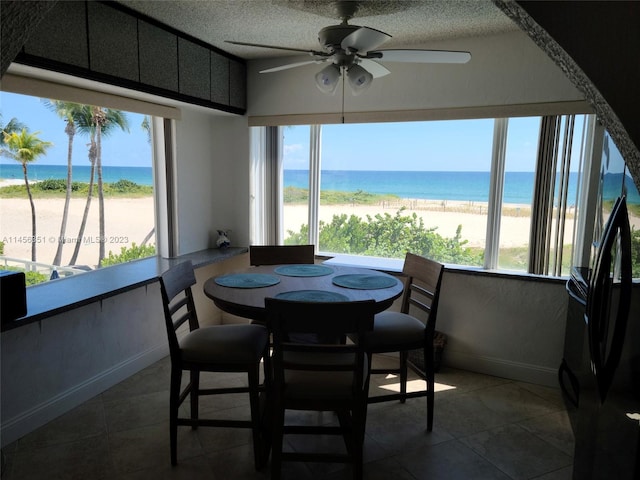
column 224, row 344
column 394, row 328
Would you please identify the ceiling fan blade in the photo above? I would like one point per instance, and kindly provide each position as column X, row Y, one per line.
column 421, row 56
column 374, row 68
column 275, row 47
column 291, row 65
column 364, row 39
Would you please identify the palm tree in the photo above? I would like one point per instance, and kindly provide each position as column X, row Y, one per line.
column 146, row 126
column 14, row 125
column 66, row 111
column 25, row 147
column 96, row 122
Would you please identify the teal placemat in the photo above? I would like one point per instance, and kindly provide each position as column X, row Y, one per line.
column 312, row 296
column 363, row 281
column 247, row 280
column 303, row 270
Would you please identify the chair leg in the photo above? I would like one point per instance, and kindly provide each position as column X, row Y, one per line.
column 266, row 405
column 254, row 403
column 359, row 423
column 429, row 374
column 174, row 395
column 403, row 375
column 277, row 433
column 195, row 390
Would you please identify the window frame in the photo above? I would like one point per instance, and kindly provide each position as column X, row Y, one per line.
column 588, row 157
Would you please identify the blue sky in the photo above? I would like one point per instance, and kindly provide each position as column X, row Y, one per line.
column 462, row 145
column 118, row 149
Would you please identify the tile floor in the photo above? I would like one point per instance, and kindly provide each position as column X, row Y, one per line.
column 485, row 428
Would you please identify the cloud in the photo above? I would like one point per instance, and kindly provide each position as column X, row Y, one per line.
column 292, row 149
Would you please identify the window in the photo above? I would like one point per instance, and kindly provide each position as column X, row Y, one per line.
column 391, row 188
column 296, row 183
column 458, row 191
column 109, row 215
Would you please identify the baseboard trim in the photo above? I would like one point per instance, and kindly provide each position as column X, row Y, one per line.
column 37, row 416
column 498, row 367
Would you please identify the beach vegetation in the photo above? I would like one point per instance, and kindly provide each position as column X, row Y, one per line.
column 30, row 277
column 25, row 147
column 56, row 188
column 54, row 185
column 127, row 254
column 390, row 236
column 635, row 252
column 293, row 195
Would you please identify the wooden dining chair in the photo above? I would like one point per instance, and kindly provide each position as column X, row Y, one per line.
column 281, row 254
column 410, row 329
column 319, row 377
column 217, row 348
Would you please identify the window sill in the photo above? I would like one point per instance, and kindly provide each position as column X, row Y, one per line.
column 389, row 265
column 59, row 296
column 394, row 266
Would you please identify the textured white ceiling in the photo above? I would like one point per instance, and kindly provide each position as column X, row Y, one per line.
column 295, row 23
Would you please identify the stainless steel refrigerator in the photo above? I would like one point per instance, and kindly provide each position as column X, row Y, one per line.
column 600, row 371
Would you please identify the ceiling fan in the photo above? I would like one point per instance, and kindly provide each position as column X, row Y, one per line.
column 353, row 49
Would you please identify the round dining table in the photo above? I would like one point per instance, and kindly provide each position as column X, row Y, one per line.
column 243, row 293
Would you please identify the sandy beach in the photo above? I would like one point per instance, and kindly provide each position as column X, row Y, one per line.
column 129, row 221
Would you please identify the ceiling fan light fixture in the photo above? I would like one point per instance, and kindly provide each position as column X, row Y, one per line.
column 359, row 79
column 328, row 78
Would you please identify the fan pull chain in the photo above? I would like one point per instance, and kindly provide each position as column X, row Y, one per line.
column 343, row 74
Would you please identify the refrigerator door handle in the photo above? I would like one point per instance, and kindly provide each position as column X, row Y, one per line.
column 605, row 356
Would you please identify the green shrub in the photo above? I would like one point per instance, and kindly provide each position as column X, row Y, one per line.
column 124, row 185
column 1, row 248
column 56, row 188
column 58, row 185
column 127, row 254
column 52, row 184
column 335, row 197
column 31, row 278
column 390, row 236
column 635, row 252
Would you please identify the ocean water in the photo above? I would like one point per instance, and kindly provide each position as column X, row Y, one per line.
column 458, row 186
column 139, row 175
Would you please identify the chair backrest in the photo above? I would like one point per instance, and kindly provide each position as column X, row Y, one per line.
column 422, row 290
column 177, row 299
column 336, row 319
column 281, row 254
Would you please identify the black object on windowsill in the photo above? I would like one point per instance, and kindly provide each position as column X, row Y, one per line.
column 13, row 295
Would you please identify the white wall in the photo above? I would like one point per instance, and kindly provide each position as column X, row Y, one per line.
column 504, row 326
column 504, row 69
column 53, row 365
column 212, row 178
